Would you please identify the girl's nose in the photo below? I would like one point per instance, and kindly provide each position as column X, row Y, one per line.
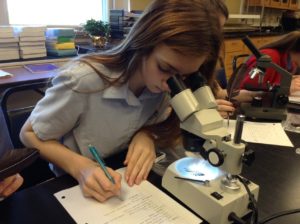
column 165, row 86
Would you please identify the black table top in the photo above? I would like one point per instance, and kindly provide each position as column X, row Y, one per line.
column 275, row 170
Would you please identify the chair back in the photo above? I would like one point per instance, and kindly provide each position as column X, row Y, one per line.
column 15, row 117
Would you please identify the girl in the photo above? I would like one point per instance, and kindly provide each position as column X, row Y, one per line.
column 111, row 98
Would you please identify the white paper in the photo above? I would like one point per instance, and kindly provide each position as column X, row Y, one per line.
column 294, row 99
column 263, row 133
column 143, row 204
column 4, row 74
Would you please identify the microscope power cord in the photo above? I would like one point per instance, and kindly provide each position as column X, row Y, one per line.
column 279, row 214
column 253, row 202
column 254, row 217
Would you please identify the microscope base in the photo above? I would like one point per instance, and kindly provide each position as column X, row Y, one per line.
column 199, row 197
column 268, row 113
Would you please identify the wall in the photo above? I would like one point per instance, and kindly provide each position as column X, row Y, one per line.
column 234, row 6
column 139, row 4
column 119, row 4
column 124, row 4
column 3, row 13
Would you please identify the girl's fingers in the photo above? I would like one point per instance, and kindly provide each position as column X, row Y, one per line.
column 136, row 168
column 89, row 192
column 140, row 167
column 223, row 102
column 129, row 153
column 147, row 171
column 226, row 108
column 142, row 175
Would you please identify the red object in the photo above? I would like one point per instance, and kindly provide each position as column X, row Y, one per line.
column 271, row 75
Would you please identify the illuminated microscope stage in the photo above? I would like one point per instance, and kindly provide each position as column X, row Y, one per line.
column 212, row 201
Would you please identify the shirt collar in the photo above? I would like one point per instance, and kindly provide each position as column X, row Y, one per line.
column 123, row 92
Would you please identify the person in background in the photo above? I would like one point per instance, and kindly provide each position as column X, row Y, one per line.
column 284, row 52
column 10, row 184
column 118, row 97
column 225, row 107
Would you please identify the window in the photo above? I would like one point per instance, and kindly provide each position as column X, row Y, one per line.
column 55, row 12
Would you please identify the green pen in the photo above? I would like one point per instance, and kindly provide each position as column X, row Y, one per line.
column 101, row 162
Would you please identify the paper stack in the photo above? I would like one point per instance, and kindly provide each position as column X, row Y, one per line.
column 60, row 42
column 82, row 38
column 295, row 97
column 32, row 41
column 9, row 44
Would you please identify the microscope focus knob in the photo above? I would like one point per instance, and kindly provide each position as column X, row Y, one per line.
column 282, row 100
column 248, row 157
column 256, row 101
column 215, row 157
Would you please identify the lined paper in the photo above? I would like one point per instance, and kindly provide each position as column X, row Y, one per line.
column 142, row 204
column 263, row 133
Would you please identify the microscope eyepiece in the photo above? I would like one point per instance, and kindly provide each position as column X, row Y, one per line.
column 176, row 85
column 195, row 81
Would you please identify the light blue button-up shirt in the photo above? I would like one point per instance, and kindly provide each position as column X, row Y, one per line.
column 77, row 110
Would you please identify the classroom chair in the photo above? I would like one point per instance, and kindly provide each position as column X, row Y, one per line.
column 39, row 171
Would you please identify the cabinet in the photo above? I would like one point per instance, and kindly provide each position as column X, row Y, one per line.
column 235, row 47
column 275, row 3
column 294, row 4
column 285, row 3
column 279, row 4
column 258, row 2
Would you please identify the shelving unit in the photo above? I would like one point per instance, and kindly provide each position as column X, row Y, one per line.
column 121, row 22
column 278, row 4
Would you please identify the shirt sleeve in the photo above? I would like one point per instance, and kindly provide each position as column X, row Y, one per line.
column 64, row 104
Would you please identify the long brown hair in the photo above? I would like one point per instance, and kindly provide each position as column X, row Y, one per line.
column 288, row 43
column 210, row 68
column 187, row 26
column 190, row 27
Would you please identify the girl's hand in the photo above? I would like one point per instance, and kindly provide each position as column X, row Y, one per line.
column 10, row 184
column 94, row 183
column 295, row 84
column 140, row 158
column 225, row 108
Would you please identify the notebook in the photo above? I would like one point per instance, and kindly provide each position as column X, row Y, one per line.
column 36, row 68
column 142, row 204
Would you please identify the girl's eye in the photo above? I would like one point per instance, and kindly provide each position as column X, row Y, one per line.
column 163, row 69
